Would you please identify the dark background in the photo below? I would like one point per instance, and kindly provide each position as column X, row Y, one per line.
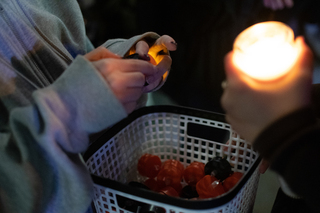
column 204, row 30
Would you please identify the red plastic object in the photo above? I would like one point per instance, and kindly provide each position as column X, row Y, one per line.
column 171, row 174
column 170, row 191
column 209, row 187
column 193, row 173
column 149, row 165
column 231, row 181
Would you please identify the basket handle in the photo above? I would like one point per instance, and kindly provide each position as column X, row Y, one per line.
column 150, row 209
column 137, row 206
column 208, row 132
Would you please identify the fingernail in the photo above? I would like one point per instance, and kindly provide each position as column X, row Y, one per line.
column 149, row 79
column 175, row 43
column 146, row 57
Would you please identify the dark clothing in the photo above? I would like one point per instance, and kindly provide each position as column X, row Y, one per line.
column 286, row 204
column 292, row 147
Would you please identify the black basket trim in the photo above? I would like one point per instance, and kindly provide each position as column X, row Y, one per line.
column 179, row 202
column 109, row 133
column 188, row 204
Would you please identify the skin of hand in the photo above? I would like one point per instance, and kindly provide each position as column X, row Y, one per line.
column 252, row 105
column 278, row 4
column 158, row 54
column 126, row 77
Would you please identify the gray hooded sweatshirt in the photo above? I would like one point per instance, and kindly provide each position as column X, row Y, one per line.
column 52, row 98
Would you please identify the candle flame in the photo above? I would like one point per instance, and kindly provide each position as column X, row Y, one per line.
column 265, row 51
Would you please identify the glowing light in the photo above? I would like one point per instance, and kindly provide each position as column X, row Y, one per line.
column 265, row 51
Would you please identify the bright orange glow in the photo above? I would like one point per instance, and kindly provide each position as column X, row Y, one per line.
column 265, row 51
column 155, row 58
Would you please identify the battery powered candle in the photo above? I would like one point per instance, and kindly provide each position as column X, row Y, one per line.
column 265, row 51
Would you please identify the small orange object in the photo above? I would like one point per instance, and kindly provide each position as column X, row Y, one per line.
column 209, row 187
column 171, row 174
column 149, row 165
column 152, row 184
column 231, row 181
column 170, row 191
column 193, row 173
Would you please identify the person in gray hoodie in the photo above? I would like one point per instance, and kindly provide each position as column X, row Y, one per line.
column 55, row 90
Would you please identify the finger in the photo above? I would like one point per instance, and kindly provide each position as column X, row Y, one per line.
column 233, row 81
column 162, row 68
column 163, row 44
column 289, row 3
column 119, row 80
column 274, row 5
column 129, row 65
column 304, row 64
column 306, row 55
column 130, row 95
column 264, row 165
column 230, row 69
column 100, row 53
column 152, row 86
column 129, row 107
column 280, row 4
column 142, row 48
column 267, row 3
column 166, row 41
column 134, row 79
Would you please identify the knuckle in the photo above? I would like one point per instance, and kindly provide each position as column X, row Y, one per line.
column 224, row 101
column 100, row 48
column 104, row 65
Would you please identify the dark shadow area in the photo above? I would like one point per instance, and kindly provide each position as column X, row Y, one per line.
column 204, row 30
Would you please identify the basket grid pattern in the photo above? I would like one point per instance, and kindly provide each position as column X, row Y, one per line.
column 166, row 135
column 242, row 202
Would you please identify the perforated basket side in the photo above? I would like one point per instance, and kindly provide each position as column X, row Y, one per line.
column 171, row 135
column 107, row 199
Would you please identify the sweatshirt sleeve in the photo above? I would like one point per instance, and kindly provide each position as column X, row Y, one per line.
column 121, row 47
column 40, row 166
column 292, row 147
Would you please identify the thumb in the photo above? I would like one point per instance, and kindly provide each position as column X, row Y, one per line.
column 305, row 60
column 233, row 74
column 162, row 68
column 100, row 53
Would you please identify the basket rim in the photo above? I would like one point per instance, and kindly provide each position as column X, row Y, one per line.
column 107, row 134
column 179, row 202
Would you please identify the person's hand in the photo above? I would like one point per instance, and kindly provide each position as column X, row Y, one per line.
column 125, row 77
column 157, row 54
column 278, row 4
column 252, row 105
column 263, row 167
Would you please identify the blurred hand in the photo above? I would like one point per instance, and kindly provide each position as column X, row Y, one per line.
column 126, row 78
column 252, row 105
column 278, row 4
column 157, row 55
column 263, row 167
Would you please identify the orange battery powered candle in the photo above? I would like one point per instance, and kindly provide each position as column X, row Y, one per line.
column 265, row 51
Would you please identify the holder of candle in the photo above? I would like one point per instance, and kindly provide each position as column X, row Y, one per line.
column 265, row 51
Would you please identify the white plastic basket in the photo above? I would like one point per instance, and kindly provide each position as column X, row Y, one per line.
column 170, row 132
